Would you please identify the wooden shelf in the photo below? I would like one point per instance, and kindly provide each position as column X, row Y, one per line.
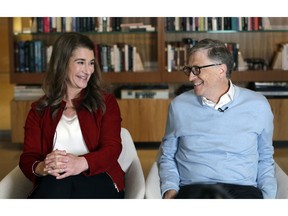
column 132, row 77
column 111, row 77
column 260, row 76
column 139, row 118
column 155, row 77
column 27, row 78
column 237, row 76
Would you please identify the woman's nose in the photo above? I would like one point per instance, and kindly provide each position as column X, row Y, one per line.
column 88, row 68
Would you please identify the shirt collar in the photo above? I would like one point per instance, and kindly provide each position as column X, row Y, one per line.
column 224, row 99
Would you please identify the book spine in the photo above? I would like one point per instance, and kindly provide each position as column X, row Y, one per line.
column 32, row 56
column 26, row 56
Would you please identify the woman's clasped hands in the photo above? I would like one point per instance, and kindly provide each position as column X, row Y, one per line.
column 61, row 164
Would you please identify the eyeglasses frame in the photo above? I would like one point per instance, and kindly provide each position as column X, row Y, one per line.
column 197, row 69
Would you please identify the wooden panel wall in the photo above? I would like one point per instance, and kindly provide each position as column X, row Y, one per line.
column 6, row 89
column 146, row 118
column 280, row 108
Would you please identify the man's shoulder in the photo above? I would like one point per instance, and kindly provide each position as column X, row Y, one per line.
column 252, row 98
column 241, row 91
column 185, row 95
column 185, row 99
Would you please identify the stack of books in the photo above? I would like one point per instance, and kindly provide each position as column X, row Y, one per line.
column 144, row 92
column 272, row 89
column 27, row 92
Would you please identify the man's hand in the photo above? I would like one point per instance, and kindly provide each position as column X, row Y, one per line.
column 170, row 194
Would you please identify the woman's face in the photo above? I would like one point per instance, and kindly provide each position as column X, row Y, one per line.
column 80, row 68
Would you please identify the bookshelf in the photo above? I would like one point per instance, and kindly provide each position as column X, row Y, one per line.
column 151, row 46
column 260, row 44
column 146, row 43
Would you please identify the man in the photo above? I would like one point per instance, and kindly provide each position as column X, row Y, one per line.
column 217, row 133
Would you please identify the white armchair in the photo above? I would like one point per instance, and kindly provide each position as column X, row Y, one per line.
column 130, row 163
column 16, row 186
column 153, row 183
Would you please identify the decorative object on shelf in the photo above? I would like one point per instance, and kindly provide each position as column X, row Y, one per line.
column 256, row 64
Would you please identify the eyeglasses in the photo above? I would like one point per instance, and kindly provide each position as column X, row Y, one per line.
column 195, row 69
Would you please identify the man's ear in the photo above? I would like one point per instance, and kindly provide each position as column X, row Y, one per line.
column 223, row 69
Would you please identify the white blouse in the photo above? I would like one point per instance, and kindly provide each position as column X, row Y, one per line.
column 68, row 136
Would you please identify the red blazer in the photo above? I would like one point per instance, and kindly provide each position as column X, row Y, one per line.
column 100, row 132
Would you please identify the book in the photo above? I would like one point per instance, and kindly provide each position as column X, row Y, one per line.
column 116, row 23
column 16, row 56
column 27, row 56
column 68, row 24
column 21, row 56
column 40, row 24
column 53, row 24
column 58, row 24
column 28, row 92
column 285, row 56
column 32, row 56
column 169, row 52
column 272, row 89
column 104, row 57
column 46, row 24
column 38, row 55
column 145, row 93
column 138, row 62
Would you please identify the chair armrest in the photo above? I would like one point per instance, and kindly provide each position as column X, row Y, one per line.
column 134, row 181
column 153, row 190
column 15, row 185
column 282, row 183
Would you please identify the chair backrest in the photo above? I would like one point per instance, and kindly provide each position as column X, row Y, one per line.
column 129, row 152
column 282, row 183
column 15, row 185
column 130, row 163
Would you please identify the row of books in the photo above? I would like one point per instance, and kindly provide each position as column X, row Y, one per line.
column 118, row 57
column 217, row 23
column 84, row 24
column 33, row 92
column 31, row 56
column 143, row 92
column 176, row 53
column 268, row 89
column 271, row 89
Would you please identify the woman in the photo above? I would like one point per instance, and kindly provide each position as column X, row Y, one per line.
column 72, row 135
